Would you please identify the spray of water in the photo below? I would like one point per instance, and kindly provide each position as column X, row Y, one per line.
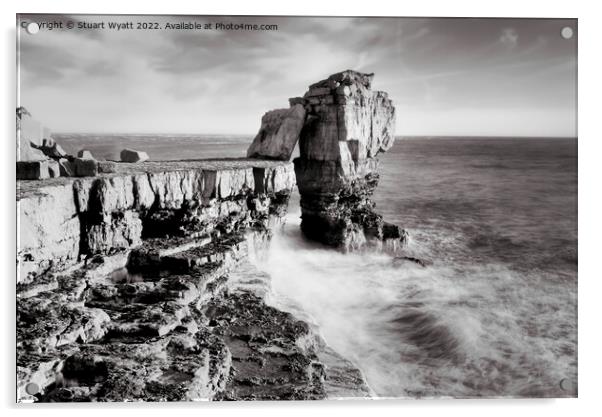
column 451, row 330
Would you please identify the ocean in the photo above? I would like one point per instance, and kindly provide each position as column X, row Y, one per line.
column 494, row 312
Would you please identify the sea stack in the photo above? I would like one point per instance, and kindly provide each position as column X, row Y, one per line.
column 346, row 126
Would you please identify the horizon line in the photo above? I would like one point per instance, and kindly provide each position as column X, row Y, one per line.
column 254, row 134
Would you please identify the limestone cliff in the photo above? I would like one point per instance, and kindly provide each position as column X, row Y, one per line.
column 278, row 134
column 65, row 220
column 346, row 126
column 136, row 286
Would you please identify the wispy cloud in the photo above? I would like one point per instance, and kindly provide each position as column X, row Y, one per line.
column 223, row 81
column 509, row 37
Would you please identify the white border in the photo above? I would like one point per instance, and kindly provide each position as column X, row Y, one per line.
column 590, row 210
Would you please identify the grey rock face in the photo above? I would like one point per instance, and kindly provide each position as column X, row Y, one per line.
column 70, row 218
column 279, row 133
column 341, row 125
column 131, row 155
column 347, row 121
column 346, row 127
column 154, row 313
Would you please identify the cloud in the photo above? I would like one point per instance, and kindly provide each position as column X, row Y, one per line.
column 223, row 81
column 509, row 37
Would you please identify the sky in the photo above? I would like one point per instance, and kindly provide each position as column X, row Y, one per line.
column 458, row 77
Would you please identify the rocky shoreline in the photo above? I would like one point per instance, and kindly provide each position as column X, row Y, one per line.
column 110, row 312
column 134, row 283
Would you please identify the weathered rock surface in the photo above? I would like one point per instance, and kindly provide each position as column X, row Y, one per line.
column 347, row 121
column 131, row 155
column 154, row 313
column 347, row 125
column 341, row 125
column 269, row 359
column 279, row 133
column 62, row 220
column 134, row 282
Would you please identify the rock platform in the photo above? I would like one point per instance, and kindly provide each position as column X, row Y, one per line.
column 136, row 286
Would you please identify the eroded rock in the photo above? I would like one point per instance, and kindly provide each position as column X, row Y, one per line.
column 135, row 286
column 26, row 152
column 279, row 133
column 347, row 125
column 269, row 362
column 135, row 330
column 72, row 218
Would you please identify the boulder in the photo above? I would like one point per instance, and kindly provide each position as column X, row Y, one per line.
column 107, row 167
column 85, row 154
column 278, row 134
column 85, row 167
column 131, row 155
column 32, row 170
